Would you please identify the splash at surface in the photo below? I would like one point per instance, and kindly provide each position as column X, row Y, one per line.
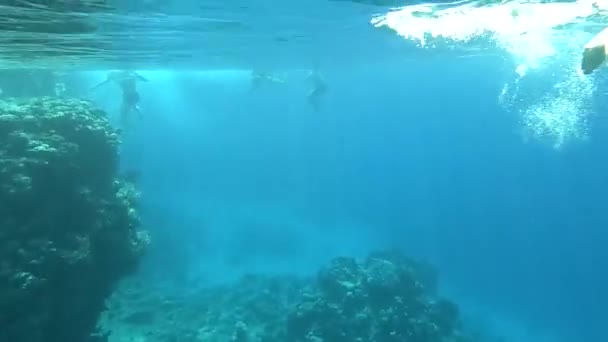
column 544, row 41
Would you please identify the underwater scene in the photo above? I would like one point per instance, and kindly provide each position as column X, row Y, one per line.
column 303, row 171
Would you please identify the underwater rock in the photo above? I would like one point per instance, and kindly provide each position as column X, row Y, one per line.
column 69, row 226
column 387, row 297
column 382, row 299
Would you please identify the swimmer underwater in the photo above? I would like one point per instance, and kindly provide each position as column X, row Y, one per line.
column 127, row 80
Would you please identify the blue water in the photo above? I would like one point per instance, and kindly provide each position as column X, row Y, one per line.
column 414, row 154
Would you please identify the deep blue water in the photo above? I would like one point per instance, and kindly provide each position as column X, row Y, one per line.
column 417, row 156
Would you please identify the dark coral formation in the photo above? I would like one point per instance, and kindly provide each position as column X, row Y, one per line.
column 69, row 226
column 386, row 298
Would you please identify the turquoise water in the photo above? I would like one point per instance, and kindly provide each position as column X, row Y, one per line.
column 208, row 35
column 460, row 134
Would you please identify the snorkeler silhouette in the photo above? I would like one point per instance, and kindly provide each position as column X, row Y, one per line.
column 319, row 88
column 127, row 80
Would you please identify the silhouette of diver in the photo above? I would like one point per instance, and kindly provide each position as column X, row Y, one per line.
column 127, row 80
column 319, row 88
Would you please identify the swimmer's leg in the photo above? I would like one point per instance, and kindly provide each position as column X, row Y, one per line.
column 124, row 115
column 130, row 103
column 137, row 110
column 256, row 81
column 314, row 99
column 314, row 102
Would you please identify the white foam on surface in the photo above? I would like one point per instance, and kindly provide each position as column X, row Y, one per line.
column 544, row 41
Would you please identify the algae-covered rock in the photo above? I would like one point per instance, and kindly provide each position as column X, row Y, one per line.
column 69, row 226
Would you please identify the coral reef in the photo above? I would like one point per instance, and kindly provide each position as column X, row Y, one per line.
column 387, row 297
column 383, row 299
column 69, row 226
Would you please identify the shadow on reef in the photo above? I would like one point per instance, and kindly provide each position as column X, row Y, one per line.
column 385, row 298
column 69, row 226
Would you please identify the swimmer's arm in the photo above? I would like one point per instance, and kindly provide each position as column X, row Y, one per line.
column 101, row 84
column 140, row 77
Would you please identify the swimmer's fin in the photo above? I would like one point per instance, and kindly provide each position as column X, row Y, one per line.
column 594, row 54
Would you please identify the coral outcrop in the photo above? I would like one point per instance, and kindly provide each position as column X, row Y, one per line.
column 69, row 228
column 385, row 298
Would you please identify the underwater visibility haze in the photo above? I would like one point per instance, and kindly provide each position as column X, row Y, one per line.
column 330, row 170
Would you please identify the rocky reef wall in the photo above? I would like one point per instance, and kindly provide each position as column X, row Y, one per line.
column 69, row 227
